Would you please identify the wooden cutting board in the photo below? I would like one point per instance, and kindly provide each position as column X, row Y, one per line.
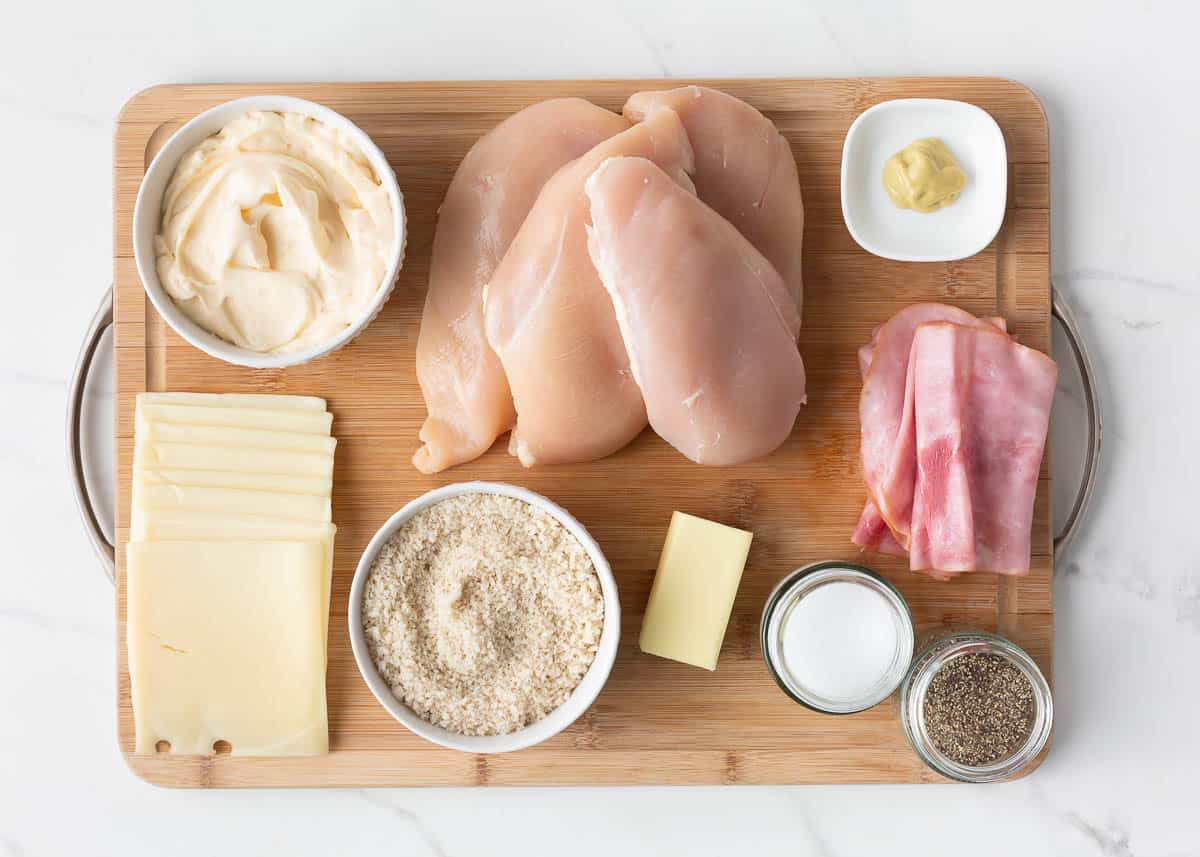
column 656, row 721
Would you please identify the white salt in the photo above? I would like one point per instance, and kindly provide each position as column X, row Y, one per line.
column 839, row 641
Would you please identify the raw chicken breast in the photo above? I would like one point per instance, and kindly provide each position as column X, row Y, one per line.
column 708, row 323
column 983, row 411
column 744, row 170
column 465, row 390
column 552, row 324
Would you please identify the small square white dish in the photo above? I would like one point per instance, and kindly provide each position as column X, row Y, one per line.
column 957, row 231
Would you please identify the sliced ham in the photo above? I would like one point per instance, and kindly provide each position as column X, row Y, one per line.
column 885, row 413
column 982, row 414
column 872, row 531
column 955, row 415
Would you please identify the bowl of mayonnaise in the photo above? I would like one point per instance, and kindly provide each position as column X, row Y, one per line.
column 269, row 231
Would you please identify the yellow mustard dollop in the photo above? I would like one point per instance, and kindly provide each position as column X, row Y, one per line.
column 923, row 176
column 276, row 233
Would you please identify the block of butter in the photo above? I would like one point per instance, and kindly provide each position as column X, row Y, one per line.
column 694, row 587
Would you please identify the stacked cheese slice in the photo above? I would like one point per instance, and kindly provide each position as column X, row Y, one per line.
column 228, row 573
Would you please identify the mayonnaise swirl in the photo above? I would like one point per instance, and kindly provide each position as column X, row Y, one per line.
column 276, row 233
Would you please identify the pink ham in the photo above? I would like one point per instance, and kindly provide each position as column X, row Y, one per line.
column 974, row 412
column 982, row 411
column 886, row 412
column 872, row 532
column 867, row 353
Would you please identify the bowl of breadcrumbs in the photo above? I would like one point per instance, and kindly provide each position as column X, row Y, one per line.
column 484, row 617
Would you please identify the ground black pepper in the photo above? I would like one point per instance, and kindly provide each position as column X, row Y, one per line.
column 979, row 709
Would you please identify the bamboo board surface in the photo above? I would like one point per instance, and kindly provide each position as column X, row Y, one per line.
column 656, row 721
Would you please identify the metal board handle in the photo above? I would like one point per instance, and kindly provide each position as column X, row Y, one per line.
column 1091, row 396
column 101, row 322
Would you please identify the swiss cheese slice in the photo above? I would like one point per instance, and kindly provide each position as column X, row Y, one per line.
column 156, row 432
column 694, row 588
column 226, row 643
column 235, row 501
column 157, row 525
column 255, row 401
column 278, row 482
column 194, row 456
column 231, row 493
column 266, row 419
column 163, row 525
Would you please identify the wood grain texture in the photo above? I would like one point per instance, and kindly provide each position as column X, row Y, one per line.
column 656, row 721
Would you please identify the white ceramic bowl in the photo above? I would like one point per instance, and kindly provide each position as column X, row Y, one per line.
column 558, row 719
column 954, row 232
column 147, row 217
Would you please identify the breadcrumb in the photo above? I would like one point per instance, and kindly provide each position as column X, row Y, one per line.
column 483, row 614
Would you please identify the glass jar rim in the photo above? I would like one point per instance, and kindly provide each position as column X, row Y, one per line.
column 807, row 578
column 916, row 685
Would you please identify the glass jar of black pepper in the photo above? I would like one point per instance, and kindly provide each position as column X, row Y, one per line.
column 976, row 708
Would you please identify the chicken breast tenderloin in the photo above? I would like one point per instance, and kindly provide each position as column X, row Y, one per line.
column 707, row 321
column 551, row 321
column 744, row 170
column 465, row 389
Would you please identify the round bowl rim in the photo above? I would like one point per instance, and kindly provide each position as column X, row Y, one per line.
column 581, row 697
column 147, row 214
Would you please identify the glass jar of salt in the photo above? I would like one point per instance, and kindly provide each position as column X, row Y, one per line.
column 836, row 637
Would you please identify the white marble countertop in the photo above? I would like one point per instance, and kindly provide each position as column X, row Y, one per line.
column 1119, row 83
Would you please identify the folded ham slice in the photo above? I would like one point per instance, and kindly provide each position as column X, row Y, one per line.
column 885, row 413
column 955, row 415
column 872, row 531
column 982, row 414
